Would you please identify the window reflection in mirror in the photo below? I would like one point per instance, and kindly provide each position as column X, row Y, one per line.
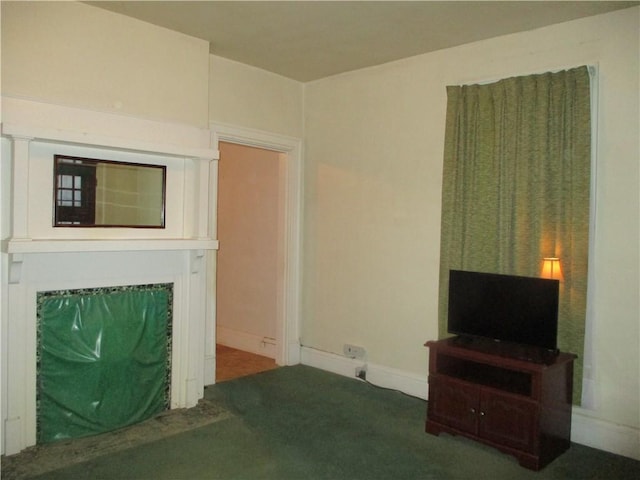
column 104, row 193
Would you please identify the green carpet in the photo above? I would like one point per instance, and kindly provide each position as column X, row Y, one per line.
column 303, row 423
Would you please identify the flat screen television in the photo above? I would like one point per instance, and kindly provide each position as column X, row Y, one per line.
column 504, row 308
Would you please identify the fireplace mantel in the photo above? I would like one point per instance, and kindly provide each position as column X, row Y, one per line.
column 116, row 245
column 38, row 257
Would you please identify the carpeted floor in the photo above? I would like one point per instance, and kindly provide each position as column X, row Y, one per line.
column 231, row 363
column 41, row 459
column 303, row 423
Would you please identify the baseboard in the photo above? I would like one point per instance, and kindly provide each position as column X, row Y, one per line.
column 247, row 342
column 603, row 435
column 585, row 430
column 379, row 375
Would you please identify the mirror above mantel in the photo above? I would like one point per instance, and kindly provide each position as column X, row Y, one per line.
column 104, row 193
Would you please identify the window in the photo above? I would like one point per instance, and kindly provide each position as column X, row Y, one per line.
column 516, row 187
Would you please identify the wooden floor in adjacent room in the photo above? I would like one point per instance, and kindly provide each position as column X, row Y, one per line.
column 232, row 363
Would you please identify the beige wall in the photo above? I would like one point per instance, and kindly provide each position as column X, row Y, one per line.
column 73, row 54
column 374, row 143
column 253, row 98
column 250, row 231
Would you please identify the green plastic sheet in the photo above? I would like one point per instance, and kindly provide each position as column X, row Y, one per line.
column 103, row 359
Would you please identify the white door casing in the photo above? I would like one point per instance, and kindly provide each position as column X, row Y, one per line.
column 288, row 321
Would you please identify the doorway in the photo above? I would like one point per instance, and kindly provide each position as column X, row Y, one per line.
column 287, row 343
column 250, row 260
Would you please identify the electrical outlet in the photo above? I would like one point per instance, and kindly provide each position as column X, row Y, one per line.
column 353, row 351
column 361, row 372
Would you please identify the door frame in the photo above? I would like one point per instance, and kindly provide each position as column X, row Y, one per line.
column 288, row 321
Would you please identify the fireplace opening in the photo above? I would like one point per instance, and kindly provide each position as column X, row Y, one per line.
column 103, row 358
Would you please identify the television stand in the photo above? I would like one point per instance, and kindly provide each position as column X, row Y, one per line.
column 520, row 407
column 528, row 353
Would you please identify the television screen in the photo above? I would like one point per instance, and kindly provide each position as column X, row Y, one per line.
column 505, row 308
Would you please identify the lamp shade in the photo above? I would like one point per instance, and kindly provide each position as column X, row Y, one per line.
column 551, row 268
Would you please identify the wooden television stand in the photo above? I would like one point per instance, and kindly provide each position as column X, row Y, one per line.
column 520, row 407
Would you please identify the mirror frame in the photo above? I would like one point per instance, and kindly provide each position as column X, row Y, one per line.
column 85, row 168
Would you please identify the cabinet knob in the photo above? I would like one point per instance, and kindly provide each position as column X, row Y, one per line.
column 482, row 414
column 473, row 410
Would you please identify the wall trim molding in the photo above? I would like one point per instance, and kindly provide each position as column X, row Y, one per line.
column 610, row 437
column 387, row 377
column 585, row 430
column 104, row 245
column 73, row 125
column 247, row 342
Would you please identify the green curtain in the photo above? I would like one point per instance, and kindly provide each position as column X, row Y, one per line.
column 516, row 185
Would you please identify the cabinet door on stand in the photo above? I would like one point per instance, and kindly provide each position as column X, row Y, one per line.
column 508, row 420
column 453, row 403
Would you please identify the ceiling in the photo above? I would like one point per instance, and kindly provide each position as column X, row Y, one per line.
column 307, row 40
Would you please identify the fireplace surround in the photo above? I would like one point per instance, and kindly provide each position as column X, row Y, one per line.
column 37, row 257
column 103, row 359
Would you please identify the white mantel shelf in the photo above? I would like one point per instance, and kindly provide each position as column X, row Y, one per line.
column 116, row 245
